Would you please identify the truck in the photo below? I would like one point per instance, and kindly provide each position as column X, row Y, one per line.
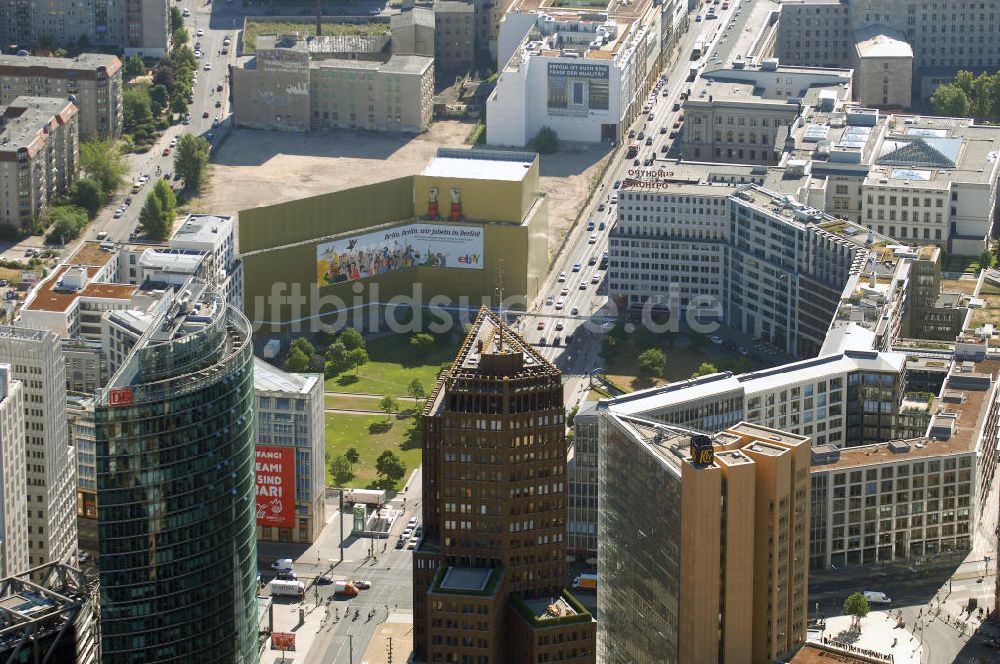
column 633, row 150
column 272, row 348
column 698, row 50
column 279, row 588
column 585, row 582
column 345, row 589
column 693, row 72
column 365, row 496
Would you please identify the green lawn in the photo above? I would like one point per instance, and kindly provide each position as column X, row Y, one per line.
column 954, row 263
column 341, row 402
column 370, row 435
column 392, row 365
column 308, row 27
column 681, row 363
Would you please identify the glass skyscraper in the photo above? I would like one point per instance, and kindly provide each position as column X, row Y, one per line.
column 175, row 486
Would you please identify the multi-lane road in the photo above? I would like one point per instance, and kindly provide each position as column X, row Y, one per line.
column 585, row 306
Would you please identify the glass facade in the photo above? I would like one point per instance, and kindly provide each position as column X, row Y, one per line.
column 638, row 553
column 175, row 481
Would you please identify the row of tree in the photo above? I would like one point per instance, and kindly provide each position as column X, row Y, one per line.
column 157, row 215
column 388, row 465
column 968, row 96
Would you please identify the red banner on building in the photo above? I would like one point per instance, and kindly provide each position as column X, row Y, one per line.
column 283, row 641
column 276, row 486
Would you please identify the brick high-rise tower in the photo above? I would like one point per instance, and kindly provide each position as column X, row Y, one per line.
column 490, row 571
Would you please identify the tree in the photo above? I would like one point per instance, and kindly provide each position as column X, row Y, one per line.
column 151, row 217
column 706, row 368
column 305, row 346
column 133, row 66
column 296, row 361
column 178, row 103
column 64, row 223
column 421, row 342
column 390, row 467
column 337, row 360
column 340, row 470
column 352, row 339
column 416, row 390
column 571, row 415
column 352, row 455
column 86, row 193
column 357, row 358
column 986, row 259
column 103, row 161
column 176, row 18
column 857, row 606
column 652, row 362
column 387, row 405
column 160, row 98
column 180, row 36
column 546, row 141
column 191, row 160
column 136, row 106
column 951, row 101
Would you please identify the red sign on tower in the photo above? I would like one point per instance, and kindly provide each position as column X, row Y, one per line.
column 276, row 486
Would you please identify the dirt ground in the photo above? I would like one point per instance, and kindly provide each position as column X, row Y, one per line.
column 255, row 168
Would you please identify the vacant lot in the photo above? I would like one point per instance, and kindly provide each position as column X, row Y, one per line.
column 330, row 28
column 254, row 168
column 370, row 435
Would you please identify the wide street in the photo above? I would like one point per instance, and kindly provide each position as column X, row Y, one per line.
column 585, row 303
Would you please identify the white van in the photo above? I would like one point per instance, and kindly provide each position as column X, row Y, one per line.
column 286, row 588
column 282, row 565
column 875, row 597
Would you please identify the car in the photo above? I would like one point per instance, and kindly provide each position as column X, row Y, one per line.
column 562, row 277
column 418, row 531
column 215, row 123
column 198, row 54
column 716, row 339
column 541, row 341
column 559, row 326
column 218, row 103
column 412, row 544
column 635, row 162
column 590, row 225
column 576, row 267
column 592, row 260
column 128, row 200
column 618, row 184
column 407, row 531
column 400, row 542
column 282, row 564
column 631, row 133
column 697, row 19
column 166, row 176
column 173, row 142
column 219, row 88
column 595, row 279
column 601, row 226
column 560, row 303
column 200, row 33
column 677, row 125
column 186, row 12
column 119, row 212
column 876, row 597
column 673, row 134
column 144, row 178
column 664, row 148
column 663, row 130
column 676, row 106
column 205, row 114
column 197, row 46
column 362, row 585
column 564, row 292
column 614, row 199
column 227, row 41
column 556, row 341
column 541, row 325
column 412, row 523
column 650, row 117
column 593, row 239
column 583, row 285
column 601, row 207
column 664, row 93
column 287, row 576
column 208, row 66
column 324, row 579
column 642, row 135
column 177, row 176
column 190, row 99
column 166, row 152
column 649, row 141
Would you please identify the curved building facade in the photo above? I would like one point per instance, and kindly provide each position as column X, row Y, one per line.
column 175, row 482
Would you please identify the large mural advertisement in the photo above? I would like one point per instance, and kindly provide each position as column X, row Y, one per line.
column 275, row 469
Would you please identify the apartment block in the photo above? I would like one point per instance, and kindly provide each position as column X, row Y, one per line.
column 494, row 542
column 454, row 36
column 39, row 154
column 137, row 27
column 298, row 84
column 706, row 542
column 51, row 469
column 412, row 31
column 13, row 460
column 290, row 415
column 92, row 81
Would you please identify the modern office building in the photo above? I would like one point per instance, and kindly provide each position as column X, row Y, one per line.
column 51, row 465
column 290, row 417
column 39, row 155
column 175, row 484
column 135, row 26
column 437, row 237
column 943, row 36
column 494, row 541
column 298, row 84
column 92, row 81
column 51, row 614
column 581, row 470
column 83, row 440
column 585, row 74
column 13, row 481
column 705, row 543
column 212, row 238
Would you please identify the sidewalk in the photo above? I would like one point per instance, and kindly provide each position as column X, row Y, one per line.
column 397, row 631
column 879, row 634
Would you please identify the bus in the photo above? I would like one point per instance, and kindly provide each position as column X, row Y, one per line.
column 698, row 50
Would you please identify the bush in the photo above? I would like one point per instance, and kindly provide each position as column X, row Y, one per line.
column 64, row 223
column 546, row 141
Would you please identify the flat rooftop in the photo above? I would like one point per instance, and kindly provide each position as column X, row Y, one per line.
column 203, row 229
column 756, row 85
column 549, row 608
column 83, row 62
column 878, row 42
column 480, row 164
column 91, row 255
column 22, row 122
column 269, row 378
column 49, row 296
column 466, row 578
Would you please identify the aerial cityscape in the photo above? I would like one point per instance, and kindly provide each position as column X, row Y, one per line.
column 456, row 331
